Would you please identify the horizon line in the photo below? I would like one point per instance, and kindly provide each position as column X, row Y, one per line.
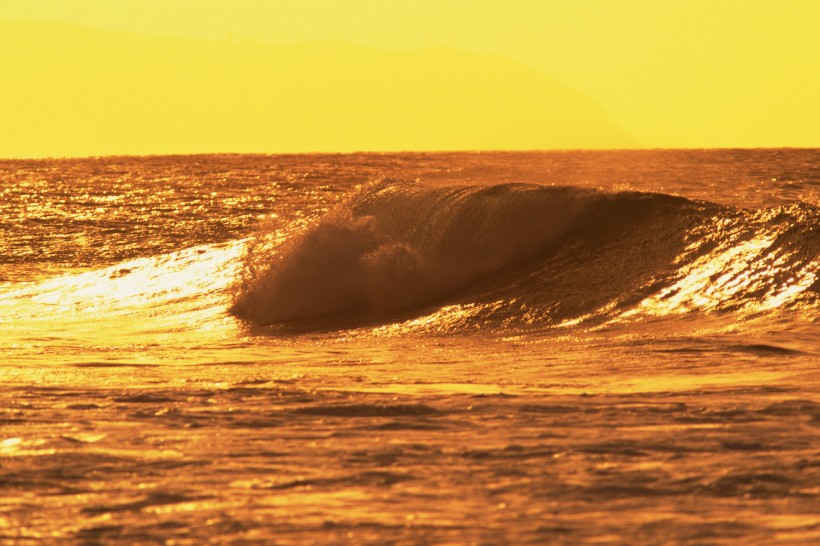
column 420, row 152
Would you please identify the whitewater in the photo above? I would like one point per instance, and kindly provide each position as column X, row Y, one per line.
column 455, row 348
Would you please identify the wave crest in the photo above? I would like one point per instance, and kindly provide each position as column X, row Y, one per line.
column 526, row 254
column 396, row 244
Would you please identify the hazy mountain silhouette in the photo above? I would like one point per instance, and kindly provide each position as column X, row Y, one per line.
column 71, row 90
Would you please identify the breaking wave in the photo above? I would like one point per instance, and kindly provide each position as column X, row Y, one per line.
column 529, row 253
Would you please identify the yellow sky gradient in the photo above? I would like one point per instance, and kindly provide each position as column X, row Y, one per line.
column 511, row 75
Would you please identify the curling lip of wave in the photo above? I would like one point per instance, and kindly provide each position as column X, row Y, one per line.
column 395, row 245
column 562, row 251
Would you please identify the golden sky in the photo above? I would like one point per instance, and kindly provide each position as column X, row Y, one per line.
column 434, row 74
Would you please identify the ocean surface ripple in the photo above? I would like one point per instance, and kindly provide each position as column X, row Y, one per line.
column 451, row 348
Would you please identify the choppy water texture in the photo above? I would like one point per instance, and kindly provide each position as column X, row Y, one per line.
column 466, row 348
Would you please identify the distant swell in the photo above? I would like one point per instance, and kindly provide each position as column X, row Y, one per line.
column 542, row 254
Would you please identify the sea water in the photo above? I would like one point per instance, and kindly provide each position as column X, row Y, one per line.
column 451, row 348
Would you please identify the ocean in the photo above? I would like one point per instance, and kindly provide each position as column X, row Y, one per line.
column 608, row 347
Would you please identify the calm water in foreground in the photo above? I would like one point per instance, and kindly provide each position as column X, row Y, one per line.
column 467, row 348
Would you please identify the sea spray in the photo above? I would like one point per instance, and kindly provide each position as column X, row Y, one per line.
column 397, row 244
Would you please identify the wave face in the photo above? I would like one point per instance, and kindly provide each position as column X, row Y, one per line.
column 395, row 245
column 529, row 254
